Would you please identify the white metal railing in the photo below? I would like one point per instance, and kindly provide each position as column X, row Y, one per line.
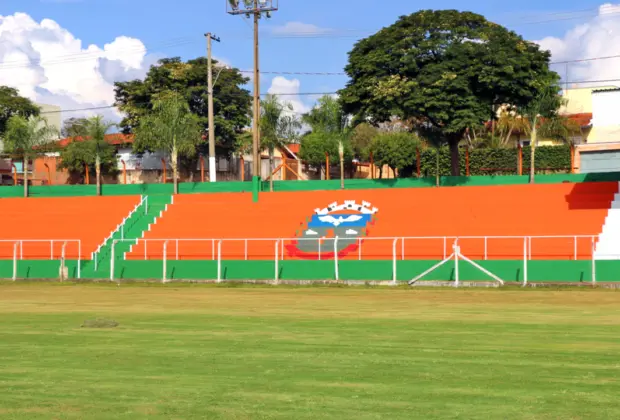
column 120, row 228
column 19, row 253
column 576, row 246
column 213, row 249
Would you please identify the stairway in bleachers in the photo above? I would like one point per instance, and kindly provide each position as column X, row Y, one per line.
column 608, row 245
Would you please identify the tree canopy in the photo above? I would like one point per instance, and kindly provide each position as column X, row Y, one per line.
column 11, row 103
column 232, row 103
column 170, row 127
column 445, row 70
column 397, row 150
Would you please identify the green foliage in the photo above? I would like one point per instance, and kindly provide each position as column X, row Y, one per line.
column 315, row 145
column 231, row 102
column 487, row 161
column 11, row 103
column 278, row 124
column 25, row 136
column 78, row 153
column 443, row 69
column 327, row 116
column 361, row 137
column 74, row 127
column 397, row 150
column 169, row 127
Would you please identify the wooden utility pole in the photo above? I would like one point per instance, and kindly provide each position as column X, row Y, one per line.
column 212, row 169
column 255, row 8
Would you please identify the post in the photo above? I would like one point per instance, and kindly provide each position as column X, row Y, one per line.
column 49, row 174
column 256, row 122
column 486, row 248
column 202, row 169
column 572, row 158
column 418, row 162
column 124, row 172
column 21, row 250
column 457, row 252
column 62, row 261
column 165, row 259
column 372, row 167
column 520, row 160
column 219, row 261
column 276, row 260
column 336, row 268
column 87, row 175
column 394, row 261
column 112, row 261
column 524, row 261
column 163, row 167
column 242, row 168
column 326, row 166
column 51, row 250
column 359, row 249
column 212, row 170
column 467, row 162
column 575, row 250
column 79, row 262
column 402, row 249
column 593, row 262
column 15, row 262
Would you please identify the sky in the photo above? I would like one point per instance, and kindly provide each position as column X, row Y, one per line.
column 70, row 52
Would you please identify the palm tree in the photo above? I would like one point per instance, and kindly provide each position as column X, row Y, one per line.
column 25, row 136
column 541, row 116
column 278, row 126
column 94, row 129
column 172, row 128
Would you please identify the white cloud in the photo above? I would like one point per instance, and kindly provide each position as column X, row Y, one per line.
column 290, row 89
column 599, row 37
column 47, row 64
column 299, row 29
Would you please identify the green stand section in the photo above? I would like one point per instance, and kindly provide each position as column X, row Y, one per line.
column 134, row 228
column 256, row 186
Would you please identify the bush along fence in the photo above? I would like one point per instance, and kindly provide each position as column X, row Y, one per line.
column 549, row 159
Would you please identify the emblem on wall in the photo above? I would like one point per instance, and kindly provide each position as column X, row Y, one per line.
column 349, row 222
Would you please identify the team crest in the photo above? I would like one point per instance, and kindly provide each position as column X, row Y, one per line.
column 348, row 222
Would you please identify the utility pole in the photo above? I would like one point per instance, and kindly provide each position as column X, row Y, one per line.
column 255, row 8
column 212, row 169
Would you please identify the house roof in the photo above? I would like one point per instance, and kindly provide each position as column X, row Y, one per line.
column 115, row 139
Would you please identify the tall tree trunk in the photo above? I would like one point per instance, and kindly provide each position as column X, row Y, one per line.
column 533, row 153
column 271, row 169
column 98, row 173
column 437, row 178
column 341, row 172
column 455, row 163
column 174, row 162
column 25, row 169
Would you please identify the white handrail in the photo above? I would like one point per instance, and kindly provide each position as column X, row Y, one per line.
column 219, row 262
column 276, row 259
column 164, row 261
column 394, row 260
column 20, row 243
column 336, row 268
column 320, row 250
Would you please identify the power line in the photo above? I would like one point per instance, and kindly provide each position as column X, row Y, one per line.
column 95, row 108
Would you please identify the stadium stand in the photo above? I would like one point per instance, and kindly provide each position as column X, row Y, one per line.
column 88, row 219
column 360, row 217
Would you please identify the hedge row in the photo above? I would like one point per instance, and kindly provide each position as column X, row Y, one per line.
column 549, row 159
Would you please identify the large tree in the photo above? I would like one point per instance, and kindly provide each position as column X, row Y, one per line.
column 27, row 137
column 169, row 127
column 397, row 150
column 231, row 102
column 443, row 69
column 11, row 103
column 79, row 154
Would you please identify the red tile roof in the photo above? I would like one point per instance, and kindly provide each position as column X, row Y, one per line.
column 115, row 139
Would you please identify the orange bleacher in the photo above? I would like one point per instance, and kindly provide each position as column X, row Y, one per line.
column 89, row 219
column 523, row 210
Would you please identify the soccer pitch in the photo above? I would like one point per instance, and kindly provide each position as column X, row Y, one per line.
column 206, row 352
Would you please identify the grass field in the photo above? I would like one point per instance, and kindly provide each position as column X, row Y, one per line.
column 198, row 352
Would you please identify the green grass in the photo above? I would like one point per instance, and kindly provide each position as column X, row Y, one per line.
column 196, row 352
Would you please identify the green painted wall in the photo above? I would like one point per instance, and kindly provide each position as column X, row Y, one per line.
column 510, row 271
column 350, row 184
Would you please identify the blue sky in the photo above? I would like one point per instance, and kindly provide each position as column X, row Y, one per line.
column 176, row 28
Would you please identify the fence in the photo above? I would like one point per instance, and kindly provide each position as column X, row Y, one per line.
column 442, row 248
column 39, row 249
column 568, row 247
